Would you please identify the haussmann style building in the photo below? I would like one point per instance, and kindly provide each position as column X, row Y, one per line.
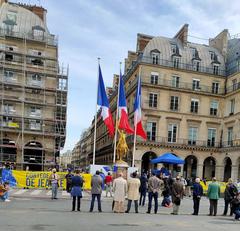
column 190, row 104
column 33, row 89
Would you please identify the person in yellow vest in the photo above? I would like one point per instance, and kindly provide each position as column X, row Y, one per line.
column 54, row 182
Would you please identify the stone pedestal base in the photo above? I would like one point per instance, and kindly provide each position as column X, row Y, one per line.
column 122, row 167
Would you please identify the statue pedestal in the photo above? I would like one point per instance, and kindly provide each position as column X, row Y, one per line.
column 122, row 166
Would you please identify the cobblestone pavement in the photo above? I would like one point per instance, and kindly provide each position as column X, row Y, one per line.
column 31, row 210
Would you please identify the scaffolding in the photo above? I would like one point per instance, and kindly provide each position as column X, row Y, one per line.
column 33, row 102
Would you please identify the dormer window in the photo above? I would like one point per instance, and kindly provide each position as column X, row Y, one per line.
column 196, row 65
column 212, row 54
column 38, row 32
column 10, row 21
column 174, row 48
column 155, row 55
column 193, row 51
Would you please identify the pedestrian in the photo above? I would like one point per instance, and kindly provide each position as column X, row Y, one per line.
column 197, row 194
column 69, row 180
column 133, row 192
column 166, row 202
column 229, row 194
column 154, row 185
column 213, row 195
column 189, row 187
column 96, row 184
column 177, row 195
column 143, row 189
column 236, row 206
column 4, row 191
column 108, row 184
column 120, row 191
column 76, row 190
column 184, row 183
column 54, row 182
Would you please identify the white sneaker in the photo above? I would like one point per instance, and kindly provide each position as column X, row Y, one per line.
column 7, row 200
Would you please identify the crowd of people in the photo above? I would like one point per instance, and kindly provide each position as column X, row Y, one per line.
column 136, row 188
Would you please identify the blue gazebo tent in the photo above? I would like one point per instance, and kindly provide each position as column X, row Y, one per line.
column 168, row 158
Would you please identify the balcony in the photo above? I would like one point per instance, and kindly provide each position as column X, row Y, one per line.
column 182, row 66
column 163, row 141
column 164, row 82
column 49, row 39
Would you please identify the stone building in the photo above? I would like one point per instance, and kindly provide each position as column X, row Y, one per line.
column 33, row 89
column 190, row 104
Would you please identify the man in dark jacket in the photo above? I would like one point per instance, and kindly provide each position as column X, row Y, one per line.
column 143, row 189
column 177, row 194
column 96, row 190
column 197, row 193
column 229, row 194
column 69, row 180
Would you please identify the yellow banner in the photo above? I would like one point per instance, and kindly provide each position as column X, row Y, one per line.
column 28, row 179
column 205, row 186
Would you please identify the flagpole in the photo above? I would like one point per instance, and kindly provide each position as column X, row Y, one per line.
column 95, row 120
column 116, row 123
column 135, row 124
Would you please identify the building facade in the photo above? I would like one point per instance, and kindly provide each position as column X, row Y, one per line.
column 190, row 104
column 33, row 95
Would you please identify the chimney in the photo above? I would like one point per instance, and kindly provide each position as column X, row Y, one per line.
column 38, row 10
column 182, row 34
column 3, row 1
column 220, row 42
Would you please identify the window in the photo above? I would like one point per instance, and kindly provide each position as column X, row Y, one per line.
column 35, row 52
column 232, row 105
column 211, row 137
column 10, row 22
column 9, row 57
column 192, row 135
column 194, row 105
column 174, row 48
column 196, row 65
column 176, row 61
column 213, row 108
column 35, row 124
column 154, row 78
column 172, row 133
column 196, row 84
column 215, row 69
column 174, row 103
column 215, row 87
column 193, row 51
column 8, row 109
column 35, row 111
column 234, row 84
column 152, row 100
column 212, row 54
column 151, row 131
column 36, row 79
column 9, row 76
column 175, row 81
column 230, row 136
column 155, row 57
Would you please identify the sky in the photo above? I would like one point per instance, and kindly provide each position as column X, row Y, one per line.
column 88, row 29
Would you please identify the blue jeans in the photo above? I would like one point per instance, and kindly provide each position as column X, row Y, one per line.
column 237, row 213
column 4, row 196
column 152, row 195
column 99, row 202
column 142, row 197
column 54, row 190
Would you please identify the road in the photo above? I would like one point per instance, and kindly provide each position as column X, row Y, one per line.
column 29, row 213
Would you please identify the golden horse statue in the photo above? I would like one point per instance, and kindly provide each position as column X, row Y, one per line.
column 122, row 147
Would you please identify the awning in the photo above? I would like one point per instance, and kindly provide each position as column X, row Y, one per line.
column 168, row 158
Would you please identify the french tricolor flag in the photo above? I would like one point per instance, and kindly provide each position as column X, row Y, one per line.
column 122, row 105
column 102, row 101
column 137, row 113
